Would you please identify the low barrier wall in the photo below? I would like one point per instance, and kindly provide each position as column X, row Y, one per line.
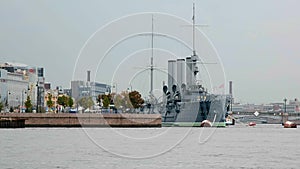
column 86, row 119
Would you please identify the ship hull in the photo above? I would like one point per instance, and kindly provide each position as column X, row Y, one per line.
column 191, row 114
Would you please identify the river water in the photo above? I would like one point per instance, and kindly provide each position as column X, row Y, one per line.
column 239, row 146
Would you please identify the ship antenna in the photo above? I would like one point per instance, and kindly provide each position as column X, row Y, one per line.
column 151, row 64
column 194, row 51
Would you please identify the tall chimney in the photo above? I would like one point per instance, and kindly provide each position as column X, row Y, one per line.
column 88, row 76
column 230, row 88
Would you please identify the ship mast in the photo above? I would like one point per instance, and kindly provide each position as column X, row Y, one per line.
column 194, row 50
column 151, row 63
column 194, row 58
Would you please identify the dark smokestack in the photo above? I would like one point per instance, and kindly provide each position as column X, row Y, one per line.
column 88, row 75
column 230, row 88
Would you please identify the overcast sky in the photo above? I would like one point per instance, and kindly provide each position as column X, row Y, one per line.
column 257, row 40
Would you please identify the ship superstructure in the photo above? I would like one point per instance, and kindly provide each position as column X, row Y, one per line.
column 186, row 101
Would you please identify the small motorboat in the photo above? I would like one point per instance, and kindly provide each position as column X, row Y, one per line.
column 205, row 123
column 252, row 124
column 290, row 124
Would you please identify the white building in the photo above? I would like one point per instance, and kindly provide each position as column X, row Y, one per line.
column 17, row 81
column 13, row 88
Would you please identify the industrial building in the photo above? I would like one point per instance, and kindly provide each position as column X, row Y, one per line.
column 80, row 88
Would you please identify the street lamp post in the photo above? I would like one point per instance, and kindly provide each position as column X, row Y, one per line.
column 37, row 96
column 284, row 110
column 284, row 104
column 18, row 103
column 22, row 104
column 7, row 101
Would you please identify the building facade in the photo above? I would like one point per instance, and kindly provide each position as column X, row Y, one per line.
column 17, row 81
column 80, row 89
column 13, row 88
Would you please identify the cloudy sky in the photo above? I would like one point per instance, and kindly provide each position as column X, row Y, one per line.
column 257, row 40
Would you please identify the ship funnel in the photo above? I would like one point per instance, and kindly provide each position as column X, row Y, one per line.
column 180, row 72
column 171, row 72
column 189, row 73
column 230, row 88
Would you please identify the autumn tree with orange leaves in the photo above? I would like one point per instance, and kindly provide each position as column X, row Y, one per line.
column 136, row 99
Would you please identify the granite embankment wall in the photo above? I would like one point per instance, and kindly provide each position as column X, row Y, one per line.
column 86, row 120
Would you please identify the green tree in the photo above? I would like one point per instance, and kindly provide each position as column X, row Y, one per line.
column 136, row 99
column 70, row 102
column 50, row 103
column 28, row 105
column 62, row 100
column 1, row 104
column 86, row 102
column 106, row 101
